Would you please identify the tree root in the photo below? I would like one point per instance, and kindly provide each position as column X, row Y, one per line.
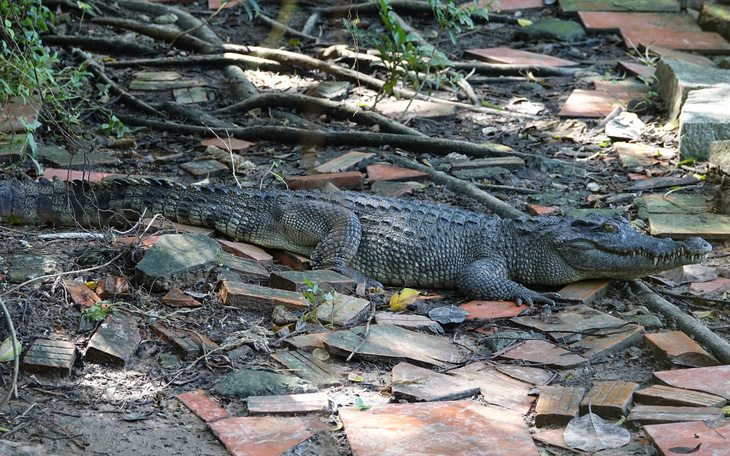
column 97, row 44
column 230, row 58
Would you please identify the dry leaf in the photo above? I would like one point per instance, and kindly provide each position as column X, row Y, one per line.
column 400, row 300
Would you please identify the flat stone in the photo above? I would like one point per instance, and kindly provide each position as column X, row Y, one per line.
column 394, row 342
column 543, row 352
column 497, row 387
column 203, row 168
column 668, row 395
column 394, row 189
column 677, row 79
column 308, row 341
column 586, row 291
column 488, row 310
column 404, row 320
column 609, row 341
column 609, row 399
column 188, row 344
column 415, row 383
column 416, row 108
column 674, row 346
column 247, row 382
column 61, row 158
column 348, row 179
column 708, row 441
column 14, row 113
column 190, row 95
column 234, row 144
column 656, row 414
column 457, row 428
column 178, row 260
column 201, row 404
column 557, row 405
column 720, row 155
column 81, row 295
column 112, row 286
column 343, row 162
column 611, row 21
column 704, row 119
column 343, row 310
column 594, row 103
column 241, row 294
column 517, row 57
column 243, row 250
column 288, row 404
column 326, row 279
column 54, row 357
column 177, row 298
column 620, row 5
column 292, row 260
column 379, row 172
column 309, row 368
column 26, row 267
column 656, row 183
column 711, row 380
column 715, row 18
column 706, row 288
column 554, row 29
column 115, row 341
column 265, row 435
column 681, row 226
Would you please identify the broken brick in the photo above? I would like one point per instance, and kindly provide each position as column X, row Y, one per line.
column 204, row 406
column 307, row 341
column 540, row 351
column 518, row 57
column 697, row 438
column 177, row 298
column 81, row 294
column 112, row 286
column 418, row 384
column 343, row 162
column 349, row 179
column 676, row 346
column 656, row 414
column 50, row 357
column 288, row 404
column 265, row 435
column 205, row 168
column 404, row 320
column 585, row 291
column 297, row 280
column 343, row 310
column 380, row 172
column 307, row 367
column 497, row 387
column 609, row 399
column 233, row 144
column 668, row 395
column 115, row 340
column 249, row 251
column 557, row 405
column 188, row 344
column 488, row 310
column 240, row 294
column 711, row 379
column 291, row 260
column 702, row 42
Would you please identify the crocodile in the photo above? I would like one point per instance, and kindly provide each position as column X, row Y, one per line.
column 393, row 241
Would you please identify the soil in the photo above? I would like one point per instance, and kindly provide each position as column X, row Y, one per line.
column 102, row 410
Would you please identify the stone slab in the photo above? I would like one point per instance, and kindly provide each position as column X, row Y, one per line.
column 394, row 189
column 497, row 387
column 240, row 294
column 676, row 203
column 518, row 57
column 415, row 383
column 203, row 405
column 244, row 383
column 249, row 270
column 656, row 414
column 720, row 155
column 115, row 341
column 249, row 251
column 676, row 345
column 61, row 158
column 655, row 183
column 621, row 5
column 677, row 79
column 190, row 95
column 668, row 395
column 697, row 438
column 459, row 428
column 343, row 162
column 307, row 341
column 686, row 57
column 705, row 118
column 326, row 279
column 380, row 172
column 288, row 404
column 394, row 342
column 572, row 319
column 557, row 405
column 55, row 357
column 610, row 21
column 543, row 353
column 609, row 399
column 713, row 380
column 715, row 18
column 535, row 376
column 681, row 226
column 489, row 310
column 348, row 179
column 609, row 341
column 343, row 310
column 265, row 435
column 309, row 368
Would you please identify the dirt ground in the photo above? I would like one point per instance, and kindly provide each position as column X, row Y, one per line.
column 103, row 410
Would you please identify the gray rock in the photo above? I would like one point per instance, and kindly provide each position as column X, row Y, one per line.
column 649, row 322
column 705, row 118
column 554, row 29
column 178, row 260
column 675, row 80
column 26, row 267
column 245, row 383
column 626, row 125
column 720, row 155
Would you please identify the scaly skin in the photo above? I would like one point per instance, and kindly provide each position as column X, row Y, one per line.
column 393, row 241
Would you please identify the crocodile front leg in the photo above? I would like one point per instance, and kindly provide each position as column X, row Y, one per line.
column 487, row 279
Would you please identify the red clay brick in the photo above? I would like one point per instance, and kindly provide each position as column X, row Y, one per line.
column 711, row 380
column 418, row 384
column 343, row 162
column 540, row 351
column 498, row 388
column 349, row 179
column 609, row 399
column 668, row 395
column 115, row 340
column 656, row 414
column 233, row 144
column 111, row 286
column 177, row 298
column 534, row 209
column 292, row 260
column 694, row 59
column 592, row 103
column 585, row 291
column 81, row 294
column 265, row 435
column 517, row 57
column 557, row 405
column 699, row 436
column 288, row 404
column 239, row 294
column 50, row 357
column 380, row 172
column 488, row 310
column 249, row 251
column 404, row 320
column 702, row 42
column 610, row 21
column 204, row 406
column 416, row 108
column 187, row 343
column 672, row 345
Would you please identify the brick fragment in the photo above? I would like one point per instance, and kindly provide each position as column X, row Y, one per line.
column 288, row 404
column 241, row 294
column 380, row 172
column 656, row 414
column 557, row 405
column 203, row 405
column 177, row 298
column 292, row 260
column 112, row 286
column 667, row 395
column 343, row 162
column 677, row 346
column 50, row 357
column 249, row 251
column 188, row 344
column 204, row 168
column 81, row 294
column 349, row 179
column 326, row 279
column 609, row 399
column 586, row 291
column 115, row 341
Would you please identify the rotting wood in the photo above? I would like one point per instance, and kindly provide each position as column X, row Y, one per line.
column 719, row 348
column 462, row 187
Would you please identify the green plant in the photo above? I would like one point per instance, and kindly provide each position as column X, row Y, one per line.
column 117, row 128
column 317, row 297
column 99, row 311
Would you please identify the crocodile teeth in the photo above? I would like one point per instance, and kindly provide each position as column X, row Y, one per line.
column 656, row 260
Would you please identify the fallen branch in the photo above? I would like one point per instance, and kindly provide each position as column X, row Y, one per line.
column 277, row 26
column 229, row 58
column 342, row 138
column 304, row 103
column 98, row 44
column 719, row 347
column 462, row 187
column 159, row 32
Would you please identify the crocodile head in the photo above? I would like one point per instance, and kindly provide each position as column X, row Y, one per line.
column 603, row 247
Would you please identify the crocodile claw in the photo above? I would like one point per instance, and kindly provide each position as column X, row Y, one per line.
column 537, row 298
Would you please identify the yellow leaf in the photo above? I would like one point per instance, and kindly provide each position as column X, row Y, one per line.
column 6, row 350
column 673, row 125
column 400, row 300
column 353, row 377
column 524, row 22
column 338, row 427
column 91, row 284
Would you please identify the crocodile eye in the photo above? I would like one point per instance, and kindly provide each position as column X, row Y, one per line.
column 610, row 228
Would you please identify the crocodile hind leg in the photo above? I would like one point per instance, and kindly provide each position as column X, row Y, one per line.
column 335, row 231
